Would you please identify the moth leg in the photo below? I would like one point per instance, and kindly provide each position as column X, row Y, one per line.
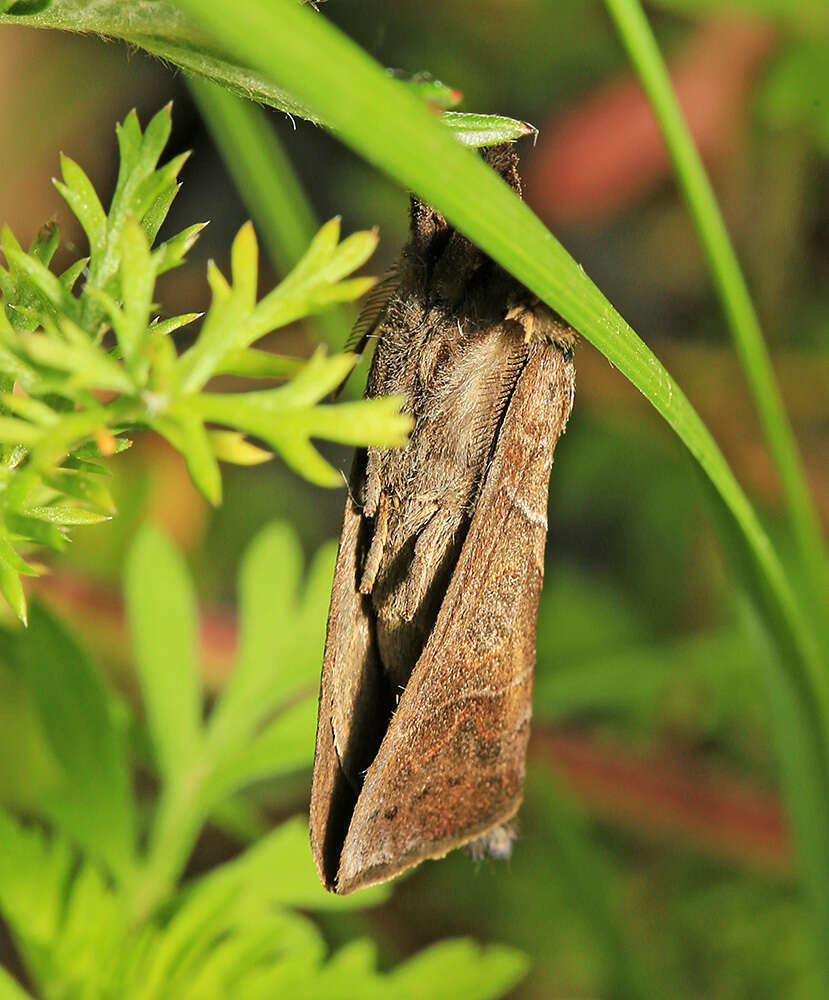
column 495, row 843
column 373, row 482
column 429, row 551
column 378, row 544
column 524, row 316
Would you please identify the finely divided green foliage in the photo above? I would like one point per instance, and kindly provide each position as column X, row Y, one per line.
column 95, row 900
column 93, row 333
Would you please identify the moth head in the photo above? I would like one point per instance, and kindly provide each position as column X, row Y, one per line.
column 427, row 225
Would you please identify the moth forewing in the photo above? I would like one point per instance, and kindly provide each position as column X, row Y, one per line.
column 352, row 711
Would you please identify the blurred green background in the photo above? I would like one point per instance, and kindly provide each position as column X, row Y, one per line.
column 651, row 734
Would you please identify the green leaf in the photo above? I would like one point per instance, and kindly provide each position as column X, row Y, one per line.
column 80, row 195
column 185, row 431
column 155, row 139
column 170, row 254
column 95, row 805
column 157, row 212
column 316, row 281
column 89, row 365
column 8, row 241
column 300, row 455
column 128, row 134
column 137, row 283
column 284, row 746
column 40, row 532
column 164, row 327
column 234, row 320
column 279, row 871
column 219, row 934
column 460, row 968
column 59, row 513
column 254, row 363
column 319, row 377
column 230, row 446
column 485, row 130
column 224, row 326
column 12, row 589
column 282, row 419
column 84, row 484
column 268, row 583
column 431, row 91
column 32, row 409
column 139, row 157
column 8, row 554
column 46, row 242
column 73, row 272
column 162, row 617
column 14, row 431
column 377, row 422
column 244, row 266
column 282, row 634
column 41, row 278
column 34, row 872
column 317, row 255
column 92, row 933
column 90, row 449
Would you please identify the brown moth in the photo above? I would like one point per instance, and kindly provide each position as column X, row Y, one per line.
column 425, row 700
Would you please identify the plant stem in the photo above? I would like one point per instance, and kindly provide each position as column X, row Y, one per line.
column 743, row 323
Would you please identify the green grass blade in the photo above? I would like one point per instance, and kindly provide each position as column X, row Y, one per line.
column 266, row 180
column 731, row 287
